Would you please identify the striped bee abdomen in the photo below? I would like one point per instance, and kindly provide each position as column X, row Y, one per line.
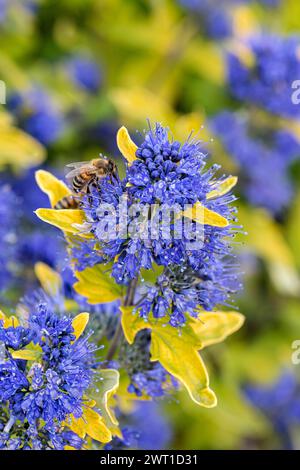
column 67, row 202
column 79, row 181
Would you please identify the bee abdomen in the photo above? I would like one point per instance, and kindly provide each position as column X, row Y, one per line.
column 67, row 202
column 78, row 182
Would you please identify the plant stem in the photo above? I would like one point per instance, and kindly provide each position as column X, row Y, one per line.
column 119, row 331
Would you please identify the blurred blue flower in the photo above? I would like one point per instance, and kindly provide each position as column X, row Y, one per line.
column 268, row 83
column 212, row 17
column 280, row 402
column 3, row 10
column 264, row 163
column 37, row 114
column 146, row 428
column 9, row 216
column 85, row 73
column 154, row 430
column 41, row 246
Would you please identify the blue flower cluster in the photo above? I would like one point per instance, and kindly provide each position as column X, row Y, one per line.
column 264, row 164
column 37, row 114
column 167, row 174
column 280, row 402
column 38, row 397
column 268, row 83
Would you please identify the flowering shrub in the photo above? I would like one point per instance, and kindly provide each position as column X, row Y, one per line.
column 109, row 257
column 116, row 308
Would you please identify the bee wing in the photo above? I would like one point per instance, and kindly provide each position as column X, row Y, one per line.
column 78, row 170
column 76, row 164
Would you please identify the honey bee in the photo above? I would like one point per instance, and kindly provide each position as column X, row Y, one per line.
column 83, row 176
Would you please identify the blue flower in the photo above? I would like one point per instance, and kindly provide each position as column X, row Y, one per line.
column 280, row 402
column 85, row 73
column 171, row 176
column 145, row 428
column 37, row 115
column 259, row 159
column 53, row 388
column 268, row 83
column 154, row 430
column 40, row 246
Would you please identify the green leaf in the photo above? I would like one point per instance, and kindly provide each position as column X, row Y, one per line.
column 126, row 146
column 107, row 383
column 32, row 352
column 97, row 285
column 53, row 187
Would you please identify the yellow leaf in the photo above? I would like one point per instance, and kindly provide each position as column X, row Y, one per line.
column 79, row 323
column 131, row 103
column 53, row 187
column 65, row 219
column 260, row 226
column 77, row 425
column 132, row 323
column 126, row 146
column 6, row 120
column 224, row 187
column 180, row 358
column 50, row 280
column 177, row 351
column 107, row 384
column 31, row 353
column 9, row 321
column 95, row 426
column 214, row 327
column 19, row 149
column 204, row 216
column 97, row 285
